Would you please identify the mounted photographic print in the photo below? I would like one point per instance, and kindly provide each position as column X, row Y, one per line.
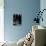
column 17, row 19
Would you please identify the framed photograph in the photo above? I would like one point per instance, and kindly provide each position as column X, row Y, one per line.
column 17, row 19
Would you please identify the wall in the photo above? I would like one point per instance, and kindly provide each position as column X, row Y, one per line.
column 43, row 6
column 25, row 7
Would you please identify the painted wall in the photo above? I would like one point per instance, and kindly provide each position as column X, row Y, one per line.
column 25, row 7
column 43, row 6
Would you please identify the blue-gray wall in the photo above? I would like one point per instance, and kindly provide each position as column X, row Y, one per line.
column 25, row 7
column 43, row 6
